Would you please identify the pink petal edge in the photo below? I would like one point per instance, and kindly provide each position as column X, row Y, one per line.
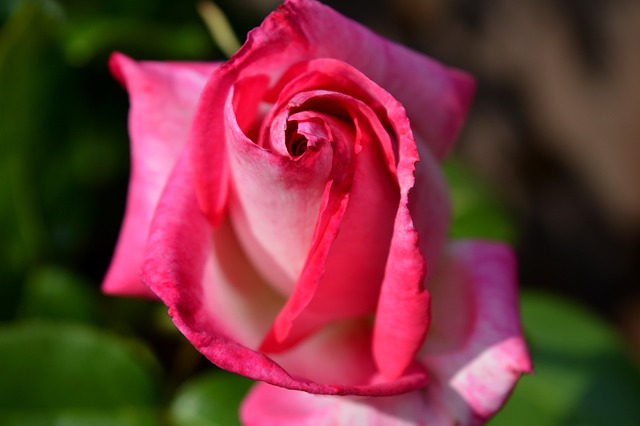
column 402, row 316
column 475, row 367
column 163, row 98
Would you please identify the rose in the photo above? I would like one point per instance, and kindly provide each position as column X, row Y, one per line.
column 288, row 208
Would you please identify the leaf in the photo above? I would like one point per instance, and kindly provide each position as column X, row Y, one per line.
column 477, row 212
column 74, row 375
column 212, row 399
column 25, row 75
column 86, row 39
column 53, row 293
column 582, row 375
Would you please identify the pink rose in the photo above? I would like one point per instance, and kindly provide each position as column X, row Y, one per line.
column 288, row 208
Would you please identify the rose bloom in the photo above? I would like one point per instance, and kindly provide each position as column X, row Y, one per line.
column 288, row 207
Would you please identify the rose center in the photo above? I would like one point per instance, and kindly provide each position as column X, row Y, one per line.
column 296, row 142
column 297, row 145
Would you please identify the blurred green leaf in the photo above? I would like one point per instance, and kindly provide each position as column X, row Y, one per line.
column 582, row 375
column 53, row 293
column 86, row 39
column 212, row 399
column 74, row 375
column 6, row 8
column 25, row 77
column 477, row 212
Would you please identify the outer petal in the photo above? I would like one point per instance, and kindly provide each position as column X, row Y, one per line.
column 475, row 351
column 475, row 354
column 271, row 406
column 163, row 99
column 179, row 269
column 430, row 208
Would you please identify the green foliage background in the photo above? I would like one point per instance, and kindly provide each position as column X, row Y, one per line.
column 69, row 355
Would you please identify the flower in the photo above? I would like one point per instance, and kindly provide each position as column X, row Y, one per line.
column 288, row 207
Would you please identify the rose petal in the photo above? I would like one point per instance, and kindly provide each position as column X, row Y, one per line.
column 475, row 351
column 475, row 354
column 177, row 269
column 163, row 99
column 242, row 303
column 338, row 353
column 430, row 207
column 274, row 203
column 267, row 405
column 402, row 316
